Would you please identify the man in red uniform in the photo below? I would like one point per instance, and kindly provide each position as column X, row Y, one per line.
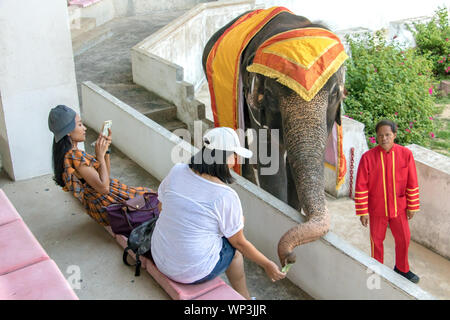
column 387, row 192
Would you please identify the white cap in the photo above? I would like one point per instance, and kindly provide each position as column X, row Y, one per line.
column 226, row 139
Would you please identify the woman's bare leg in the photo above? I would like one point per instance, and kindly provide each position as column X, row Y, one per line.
column 236, row 275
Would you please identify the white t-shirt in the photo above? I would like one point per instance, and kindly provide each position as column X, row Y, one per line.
column 196, row 214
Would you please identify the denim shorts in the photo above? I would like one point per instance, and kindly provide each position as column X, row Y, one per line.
column 225, row 258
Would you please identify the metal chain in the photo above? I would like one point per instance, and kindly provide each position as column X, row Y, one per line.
column 352, row 163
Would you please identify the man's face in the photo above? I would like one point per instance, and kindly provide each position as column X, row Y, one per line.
column 385, row 137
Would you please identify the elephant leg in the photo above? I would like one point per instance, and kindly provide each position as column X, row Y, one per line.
column 292, row 194
column 272, row 175
column 249, row 172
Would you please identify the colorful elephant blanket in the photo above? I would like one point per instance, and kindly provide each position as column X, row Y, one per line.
column 301, row 59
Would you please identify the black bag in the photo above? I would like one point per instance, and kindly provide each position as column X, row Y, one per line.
column 139, row 242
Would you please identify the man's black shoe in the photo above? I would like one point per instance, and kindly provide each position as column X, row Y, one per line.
column 408, row 275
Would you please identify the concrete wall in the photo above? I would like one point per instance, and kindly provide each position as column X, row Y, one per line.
column 36, row 73
column 106, row 10
column 431, row 226
column 152, row 144
column 327, row 269
column 175, row 74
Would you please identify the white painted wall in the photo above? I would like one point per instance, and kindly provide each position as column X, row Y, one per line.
column 431, row 226
column 328, row 268
column 36, row 73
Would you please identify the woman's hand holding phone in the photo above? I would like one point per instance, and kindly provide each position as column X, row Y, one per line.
column 101, row 146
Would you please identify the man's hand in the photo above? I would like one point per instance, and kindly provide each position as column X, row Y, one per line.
column 364, row 220
column 410, row 214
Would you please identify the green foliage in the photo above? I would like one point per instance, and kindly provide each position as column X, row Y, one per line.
column 441, row 142
column 432, row 40
column 386, row 82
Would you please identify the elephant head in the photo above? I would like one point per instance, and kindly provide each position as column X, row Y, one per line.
column 305, row 127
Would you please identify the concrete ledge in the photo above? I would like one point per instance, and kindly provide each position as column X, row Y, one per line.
column 327, row 269
column 430, row 227
column 143, row 140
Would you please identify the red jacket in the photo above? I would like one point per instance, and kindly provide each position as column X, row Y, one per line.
column 381, row 175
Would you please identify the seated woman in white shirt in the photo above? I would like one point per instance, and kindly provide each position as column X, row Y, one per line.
column 199, row 234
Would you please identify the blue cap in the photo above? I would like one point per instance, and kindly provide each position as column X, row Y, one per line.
column 61, row 121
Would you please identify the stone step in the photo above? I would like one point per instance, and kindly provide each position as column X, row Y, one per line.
column 82, row 3
column 81, row 25
column 89, row 39
column 173, row 125
column 142, row 100
column 164, row 114
column 147, row 103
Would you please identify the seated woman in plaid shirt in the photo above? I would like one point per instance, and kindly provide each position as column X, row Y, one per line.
column 85, row 175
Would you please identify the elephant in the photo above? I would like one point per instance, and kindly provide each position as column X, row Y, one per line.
column 304, row 126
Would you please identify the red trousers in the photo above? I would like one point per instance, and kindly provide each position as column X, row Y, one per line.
column 400, row 230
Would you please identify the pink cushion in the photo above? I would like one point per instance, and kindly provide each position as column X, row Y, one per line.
column 7, row 211
column 40, row 281
column 224, row 292
column 108, row 228
column 179, row 291
column 18, row 247
column 122, row 240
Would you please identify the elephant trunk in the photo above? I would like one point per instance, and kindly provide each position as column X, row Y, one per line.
column 305, row 134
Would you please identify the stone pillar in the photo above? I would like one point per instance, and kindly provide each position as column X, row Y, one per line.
column 36, row 73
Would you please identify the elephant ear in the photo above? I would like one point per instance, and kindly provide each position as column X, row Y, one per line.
column 335, row 98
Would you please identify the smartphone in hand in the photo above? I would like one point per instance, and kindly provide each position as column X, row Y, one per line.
column 106, row 125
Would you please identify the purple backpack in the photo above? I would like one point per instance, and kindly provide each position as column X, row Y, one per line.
column 125, row 216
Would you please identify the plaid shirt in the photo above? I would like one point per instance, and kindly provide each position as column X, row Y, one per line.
column 93, row 201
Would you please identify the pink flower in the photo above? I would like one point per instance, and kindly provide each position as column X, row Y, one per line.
column 407, row 130
column 396, row 113
column 431, row 118
column 430, row 91
column 372, row 140
column 446, row 39
column 432, row 135
column 360, row 113
column 376, row 70
column 402, row 63
column 410, row 124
